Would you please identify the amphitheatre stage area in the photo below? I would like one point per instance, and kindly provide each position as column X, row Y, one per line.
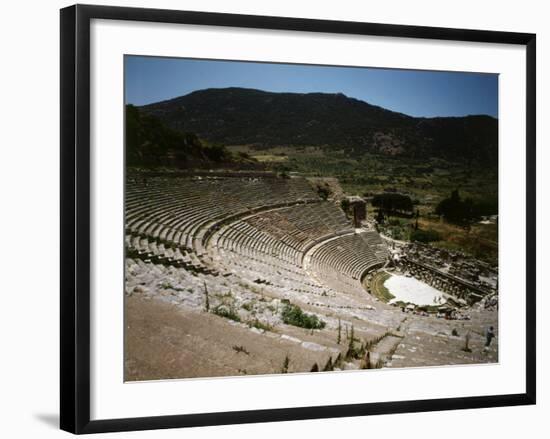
column 287, row 218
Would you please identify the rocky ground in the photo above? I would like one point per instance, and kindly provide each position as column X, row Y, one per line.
column 181, row 324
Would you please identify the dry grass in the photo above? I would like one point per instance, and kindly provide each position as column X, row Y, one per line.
column 480, row 241
column 378, row 289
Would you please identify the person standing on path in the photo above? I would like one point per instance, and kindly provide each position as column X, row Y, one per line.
column 489, row 335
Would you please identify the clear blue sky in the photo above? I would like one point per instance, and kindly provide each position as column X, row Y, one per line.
column 416, row 93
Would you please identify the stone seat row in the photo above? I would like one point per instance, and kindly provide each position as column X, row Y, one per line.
column 347, row 255
column 173, row 209
column 151, row 250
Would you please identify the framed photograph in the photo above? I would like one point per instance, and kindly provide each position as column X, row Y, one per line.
column 274, row 218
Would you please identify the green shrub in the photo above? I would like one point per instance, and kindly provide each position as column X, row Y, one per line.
column 228, row 313
column 259, row 325
column 284, row 174
column 393, row 202
column 323, row 192
column 168, row 286
column 344, row 204
column 293, row 315
column 286, row 363
column 247, row 305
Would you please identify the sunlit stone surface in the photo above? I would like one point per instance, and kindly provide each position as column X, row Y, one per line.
column 409, row 289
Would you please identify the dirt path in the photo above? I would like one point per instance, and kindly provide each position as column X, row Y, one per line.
column 164, row 341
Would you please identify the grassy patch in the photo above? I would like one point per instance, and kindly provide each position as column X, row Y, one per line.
column 259, row 325
column 168, row 286
column 378, row 289
column 425, row 236
column 227, row 312
column 247, row 306
column 480, row 240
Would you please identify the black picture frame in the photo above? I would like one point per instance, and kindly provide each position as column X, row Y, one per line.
column 75, row 217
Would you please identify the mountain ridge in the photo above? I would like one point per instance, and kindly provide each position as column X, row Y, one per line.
column 235, row 115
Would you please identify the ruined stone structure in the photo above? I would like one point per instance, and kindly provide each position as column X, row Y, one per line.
column 357, row 210
column 443, row 281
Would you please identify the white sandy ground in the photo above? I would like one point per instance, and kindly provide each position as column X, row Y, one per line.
column 409, row 289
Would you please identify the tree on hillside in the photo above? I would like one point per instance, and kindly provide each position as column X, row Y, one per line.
column 150, row 142
column 456, row 210
column 425, row 236
column 393, row 203
column 344, row 204
column 380, row 217
column 323, row 191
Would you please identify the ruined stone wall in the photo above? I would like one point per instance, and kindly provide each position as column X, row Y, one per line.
column 358, row 210
column 444, row 282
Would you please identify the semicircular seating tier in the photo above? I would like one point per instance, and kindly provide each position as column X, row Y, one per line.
column 345, row 260
column 270, row 230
